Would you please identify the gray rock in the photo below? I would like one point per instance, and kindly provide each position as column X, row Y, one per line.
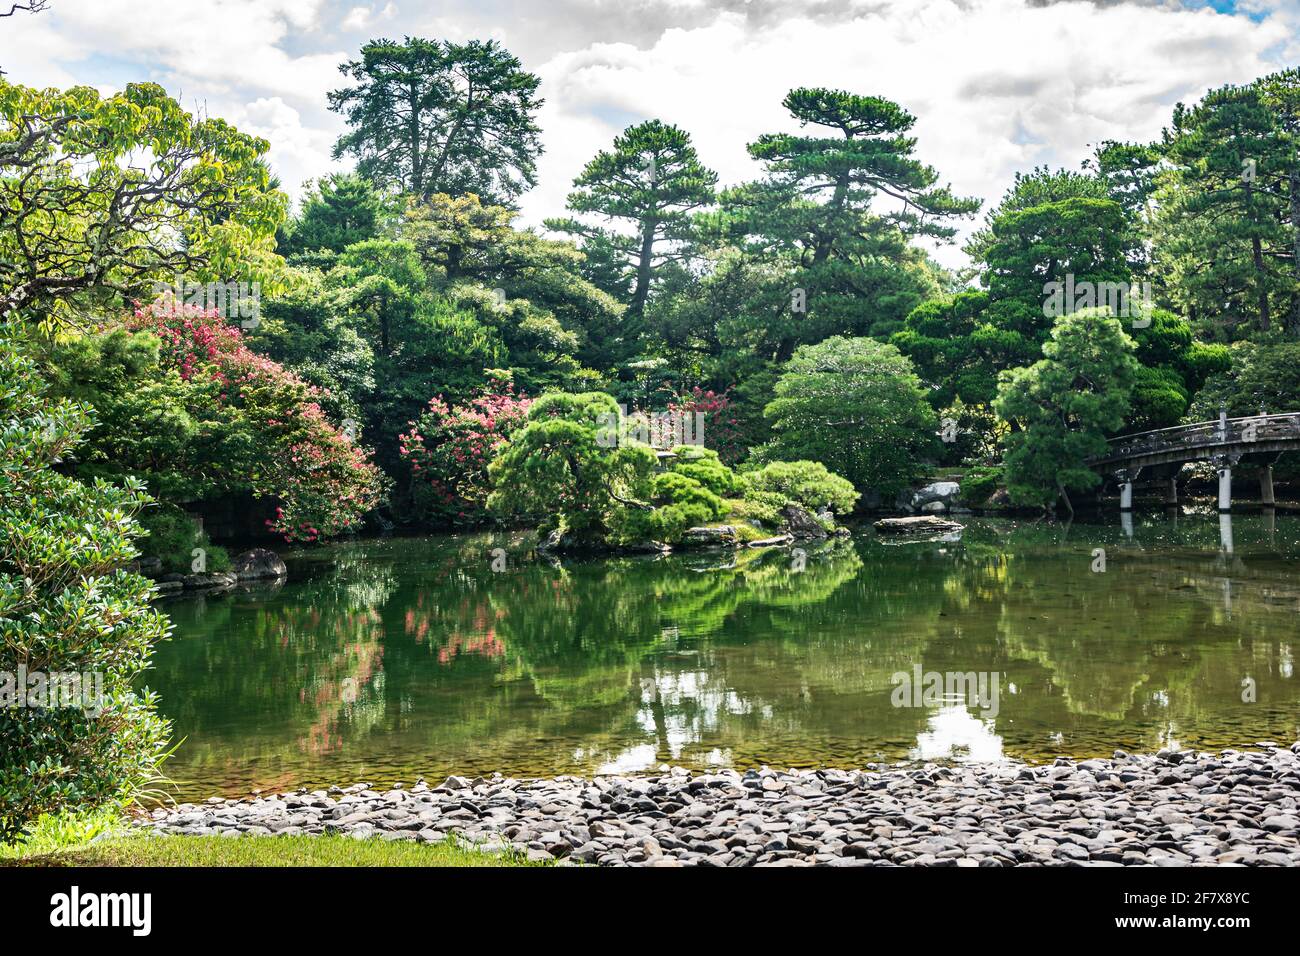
column 943, row 493
column 258, row 563
column 721, row 536
column 1065, row 814
column 801, row 524
column 918, row 524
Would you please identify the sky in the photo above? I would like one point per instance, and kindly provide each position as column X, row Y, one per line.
column 996, row 85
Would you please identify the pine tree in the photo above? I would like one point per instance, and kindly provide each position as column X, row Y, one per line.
column 430, row 116
column 1221, row 247
column 649, row 184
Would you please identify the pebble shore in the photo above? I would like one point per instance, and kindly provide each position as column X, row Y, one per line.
column 1174, row 808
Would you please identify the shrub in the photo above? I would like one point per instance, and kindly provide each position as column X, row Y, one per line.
column 173, row 537
column 721, row 424
column 856, row 406
column 676, row 489
column 702, row 464
column 449, row 450
column 670, row 522
column 683, row 503
column 806, row 483
column 264, row 431
column 565, row 468
column 761, row 506
column 978, row 485
column 68, row 606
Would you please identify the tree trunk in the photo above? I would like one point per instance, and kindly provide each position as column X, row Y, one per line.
column 1264, row 320
column 1257, row 251
column 413, row 136
column 826, row 240
column 643, row 271
column 1294, row 181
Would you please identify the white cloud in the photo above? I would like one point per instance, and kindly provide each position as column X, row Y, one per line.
column 997, row 86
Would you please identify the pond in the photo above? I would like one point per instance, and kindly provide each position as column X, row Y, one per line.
column 387, row 659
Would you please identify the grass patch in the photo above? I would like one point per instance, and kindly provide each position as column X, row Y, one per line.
column 325, row 850
column 61, row 831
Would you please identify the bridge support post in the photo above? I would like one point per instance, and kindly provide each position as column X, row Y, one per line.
column 1266, row 486
column 1171, row 491
column 1225, row 533
column 1126, row 496
column 1225, row 489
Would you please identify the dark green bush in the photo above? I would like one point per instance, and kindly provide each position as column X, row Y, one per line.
column 761, row 506
column 978, row 485
column 173, row 537
column 67, row 606
column 703, row 465
column 806, row 483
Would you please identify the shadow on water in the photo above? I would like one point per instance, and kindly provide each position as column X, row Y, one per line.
column 387, row 659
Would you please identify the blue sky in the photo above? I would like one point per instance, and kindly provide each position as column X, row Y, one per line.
column 997, row 85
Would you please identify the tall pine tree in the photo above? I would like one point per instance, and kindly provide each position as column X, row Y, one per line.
column 645, row 189
column 429, row 116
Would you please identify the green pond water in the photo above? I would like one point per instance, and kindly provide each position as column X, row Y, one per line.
column 384, row 660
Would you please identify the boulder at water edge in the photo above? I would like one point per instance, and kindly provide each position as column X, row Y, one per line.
column 945, row 493
column 921, row 524
column 259, row 563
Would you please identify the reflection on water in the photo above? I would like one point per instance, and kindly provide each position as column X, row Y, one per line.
column 388, row 659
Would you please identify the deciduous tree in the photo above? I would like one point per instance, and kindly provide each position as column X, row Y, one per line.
column 111, row 194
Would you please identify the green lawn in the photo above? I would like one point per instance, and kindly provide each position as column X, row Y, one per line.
column 264, row 851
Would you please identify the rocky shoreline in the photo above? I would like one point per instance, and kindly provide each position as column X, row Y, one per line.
column 258, row 566
column 1169, row 809
column 1174, row 808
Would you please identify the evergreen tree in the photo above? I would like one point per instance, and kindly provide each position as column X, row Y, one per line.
column 1062, row 407
column 341, row 210
column 646, row 187
column 840, row 208
column 1280, row 93
column 429, row 116
column 1222, row 247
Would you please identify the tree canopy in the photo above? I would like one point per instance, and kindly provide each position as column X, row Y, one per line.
column 105, row 196
column 431, row 116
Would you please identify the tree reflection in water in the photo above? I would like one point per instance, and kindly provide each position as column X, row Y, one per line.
column 387, row 659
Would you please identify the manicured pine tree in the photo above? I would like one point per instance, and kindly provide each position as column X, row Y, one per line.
column 646, row 189
column 1222, row 248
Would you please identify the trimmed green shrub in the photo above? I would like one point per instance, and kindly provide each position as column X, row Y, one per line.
column 806, row 483
column 703, row 465
column 978, row 485
column 682, row 503
column 761, row 506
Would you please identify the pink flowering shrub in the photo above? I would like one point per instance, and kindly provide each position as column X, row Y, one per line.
column 267, row 433
column 721, row 425
column 449, row 450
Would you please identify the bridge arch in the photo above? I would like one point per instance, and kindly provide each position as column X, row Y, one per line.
column 1224, row 441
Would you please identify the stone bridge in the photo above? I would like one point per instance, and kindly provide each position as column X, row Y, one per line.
column 1162, row 453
